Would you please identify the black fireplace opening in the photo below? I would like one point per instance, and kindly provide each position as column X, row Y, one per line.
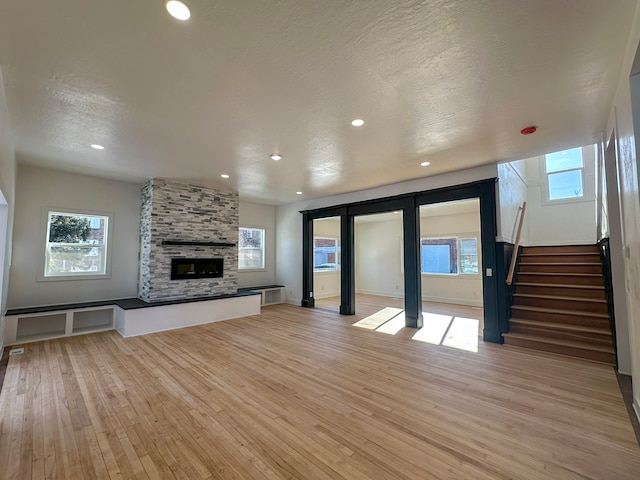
column 185, row 268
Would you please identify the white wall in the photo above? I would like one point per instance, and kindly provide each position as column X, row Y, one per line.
column 38, row 188
column 260, row 216
column 512, row 192
column 621, row 121
column 326, row 284
column 378, row 257
column 560, row 222
column 7, row 191
column 289, row 219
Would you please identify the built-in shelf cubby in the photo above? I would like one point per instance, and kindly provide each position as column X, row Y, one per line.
column 270, row 294
column 40, row 326
column 33, row 326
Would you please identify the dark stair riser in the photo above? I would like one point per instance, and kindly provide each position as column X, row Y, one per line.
column 567, row 318
column 593, row 293
column 602, row 357
column 603, row 339
column 560, row 268
column 577, row 305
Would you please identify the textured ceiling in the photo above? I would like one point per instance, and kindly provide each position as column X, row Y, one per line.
column 451, row 82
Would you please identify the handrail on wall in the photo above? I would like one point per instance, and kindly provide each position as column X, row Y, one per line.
column 514, row 257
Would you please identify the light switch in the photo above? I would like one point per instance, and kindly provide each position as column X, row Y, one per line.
column 489, row 272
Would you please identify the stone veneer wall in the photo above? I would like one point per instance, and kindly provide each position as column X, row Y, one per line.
column 177, row 211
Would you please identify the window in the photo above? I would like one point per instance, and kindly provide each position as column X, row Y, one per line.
column 469, row 256
column 564, row 174
column 448, row 256
column 76, row 245
column 326, row 254
column 251, row 249
column 439, row 255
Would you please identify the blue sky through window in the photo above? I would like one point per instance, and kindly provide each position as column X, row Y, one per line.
column 564, row 174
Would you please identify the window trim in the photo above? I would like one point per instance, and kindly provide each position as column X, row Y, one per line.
column 44, row 241
column 264, row 248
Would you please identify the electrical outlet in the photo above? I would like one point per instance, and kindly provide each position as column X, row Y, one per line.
column 16, row 351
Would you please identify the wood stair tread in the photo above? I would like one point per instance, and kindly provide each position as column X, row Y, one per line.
column 560, row 285
column 562, row 264
column 560, row 311
column 558, row 297
column 564, row 343
column 565, row 327
column 562, row 274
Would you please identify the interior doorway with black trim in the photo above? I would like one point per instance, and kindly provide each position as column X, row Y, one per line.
column 327, row 262
column 451, row 271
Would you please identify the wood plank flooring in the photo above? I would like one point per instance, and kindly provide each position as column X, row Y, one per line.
column 302, row 394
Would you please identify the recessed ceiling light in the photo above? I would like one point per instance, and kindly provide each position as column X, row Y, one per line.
column 177, row 9
column 298, row 193
column 276, row 156
column 358, row 122
column 425, row 164
column 96, row 146
column 224, row 175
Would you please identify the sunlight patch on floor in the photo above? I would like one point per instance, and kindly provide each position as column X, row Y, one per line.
column 372, row 322
column 454, row 332
column 462, row 334
column 434, row 329
column 394, row 325
column 445, row 330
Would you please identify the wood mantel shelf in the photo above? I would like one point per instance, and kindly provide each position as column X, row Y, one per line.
column 197, row 243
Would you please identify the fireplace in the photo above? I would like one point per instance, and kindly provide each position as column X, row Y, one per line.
column 186, row 268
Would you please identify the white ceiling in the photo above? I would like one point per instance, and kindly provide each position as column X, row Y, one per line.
column 451, row 82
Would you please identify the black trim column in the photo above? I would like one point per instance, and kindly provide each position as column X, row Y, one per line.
column 347, row 265
column 307, row 261
column 488, row 230
column 412, row 270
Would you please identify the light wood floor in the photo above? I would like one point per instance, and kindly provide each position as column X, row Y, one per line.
column 302, row 394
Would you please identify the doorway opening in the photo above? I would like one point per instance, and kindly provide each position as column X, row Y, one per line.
column 326, row 262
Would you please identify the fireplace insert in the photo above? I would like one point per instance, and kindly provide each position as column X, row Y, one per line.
column 185, row 268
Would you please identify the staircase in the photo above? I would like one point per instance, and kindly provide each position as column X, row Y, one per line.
column 559, row 303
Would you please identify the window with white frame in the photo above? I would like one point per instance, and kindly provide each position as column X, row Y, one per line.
column 469, row 256
column 326, row 254
column 449, row 256
column 251, row 248
column 564, row 171
column 76, row 245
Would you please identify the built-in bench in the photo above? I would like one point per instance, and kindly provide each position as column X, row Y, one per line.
column 130, row 316
column 270, row 294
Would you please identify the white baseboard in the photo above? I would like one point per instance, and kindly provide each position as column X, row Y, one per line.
column 398, row 294
column 292, row 301
column 326, row 295
column 456, row 301
column 622, row 372
column 636, row 408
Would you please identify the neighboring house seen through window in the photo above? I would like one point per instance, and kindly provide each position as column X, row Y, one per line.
column 326, row 254
column 76, row 245
column 251, row 248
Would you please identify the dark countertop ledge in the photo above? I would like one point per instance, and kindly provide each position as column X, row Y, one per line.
column 124, row 303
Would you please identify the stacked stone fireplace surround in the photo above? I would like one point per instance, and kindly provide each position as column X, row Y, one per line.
column 183, row 212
